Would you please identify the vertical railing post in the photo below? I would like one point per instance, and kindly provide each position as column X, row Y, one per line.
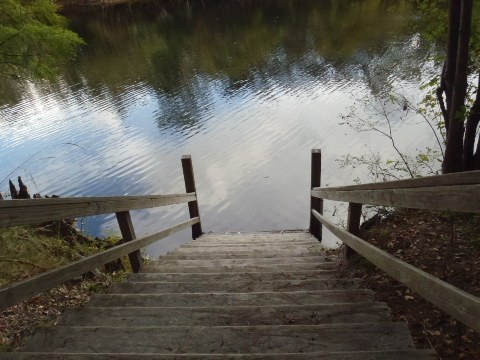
column 316, row 203
column 190, row 188
column 128, row 234
column 353, row 225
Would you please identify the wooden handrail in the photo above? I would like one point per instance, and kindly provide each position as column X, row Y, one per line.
column 450, row 192
column 24, row 289
column 34, row 211
column 462, row 178
column 462, row 198
column 455, row 302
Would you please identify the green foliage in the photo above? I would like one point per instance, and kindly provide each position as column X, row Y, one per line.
column 378, row 116
column 432, row 19
column 33, row 38
column 425, row 162
column 431, row 23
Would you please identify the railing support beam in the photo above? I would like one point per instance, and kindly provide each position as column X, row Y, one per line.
column 316, row 203
column 353, row 226
column 128, row 234
column 191, row 188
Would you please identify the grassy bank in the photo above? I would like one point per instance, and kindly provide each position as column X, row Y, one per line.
column 442, row 244
column 187, row 5
column 30, row 250
column 106, row 3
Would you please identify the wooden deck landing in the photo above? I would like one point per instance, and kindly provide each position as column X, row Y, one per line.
column 239, row 296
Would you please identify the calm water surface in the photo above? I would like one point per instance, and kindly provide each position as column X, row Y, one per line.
column 247, row 89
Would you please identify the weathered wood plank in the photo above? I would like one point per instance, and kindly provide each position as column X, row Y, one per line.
column 254, row 253
column 292, row 255
column 353, row 225
column 245, row 262
column 201, row 242
column 239, row 241
column 34, row 211
column 14, row 293
column 329, row 355
column 281, row 246
column 293, row 266
column 261, row 235
column 227, row 315
column 462, row 198
column 455, row 302
column 234, row 277
column 252, row 247
column 190, row 187
column 316, row 203
column 128, row 234
column 223, row 339
column 233, row 299
column 152, row 287
column 462, row 178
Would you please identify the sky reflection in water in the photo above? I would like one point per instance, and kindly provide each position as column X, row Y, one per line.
column 247, row 90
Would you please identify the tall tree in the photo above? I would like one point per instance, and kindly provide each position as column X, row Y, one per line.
column 461, row 118
column 34, row 39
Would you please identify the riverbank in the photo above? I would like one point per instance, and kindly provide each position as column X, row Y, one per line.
column 71, row 4
column 187, row 5
column 92, row 3
column 442, row 244
column 30, row 250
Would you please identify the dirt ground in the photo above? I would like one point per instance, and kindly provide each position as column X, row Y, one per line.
column 445, row 245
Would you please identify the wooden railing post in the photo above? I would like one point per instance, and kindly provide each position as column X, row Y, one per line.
column 190, row 187
column 128, row 234
column 353, row 225
column 316, row 203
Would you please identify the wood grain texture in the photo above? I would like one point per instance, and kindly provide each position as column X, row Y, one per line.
column 326, row 355
column 353, row 225
column 24, row 289
column 190, row 187
column 128, row 234
column 263, row 339
column 462, row 198
column 233, row 299
column 34, row 211
column 455, row 302
column 227, row 315
column 463, row 178
column 315, row 202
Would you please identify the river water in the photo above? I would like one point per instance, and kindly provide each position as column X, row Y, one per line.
column 247, row 88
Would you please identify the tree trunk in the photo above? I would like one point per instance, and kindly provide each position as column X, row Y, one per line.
column 453, row 161
column 448, row 73
column 470, row 132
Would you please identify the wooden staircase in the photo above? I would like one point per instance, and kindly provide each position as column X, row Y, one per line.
column 235, row 296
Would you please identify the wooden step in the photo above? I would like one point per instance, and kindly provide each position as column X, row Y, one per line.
column 242, row 262
column 247, row 268
column 228, row 243
column 223, row 339
column 233, row 299
column 227, row 315
column 258, row 236
column 330, row 355
column 153, row 287
column 231, row 296
column 234, row 276
column 250, row 247
column 291, row 254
